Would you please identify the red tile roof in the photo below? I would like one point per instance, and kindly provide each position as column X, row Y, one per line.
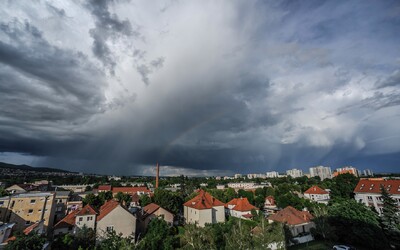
column 135, row 198
column 130, row 190
column 104, row 188
column 374, row 186
column 203, row 200
column 241, row 204
column 29, row 229
column 248, row 216
column 86, row 210
column 316, row 190
column 151, row 208
column 291, row 216
column 67, row 221
column 271, row 200
column 107, row 208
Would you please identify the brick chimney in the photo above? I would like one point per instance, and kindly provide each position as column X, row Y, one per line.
column 157, row 174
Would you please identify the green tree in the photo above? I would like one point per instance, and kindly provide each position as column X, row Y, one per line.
column 114, row 241
column 144, row 200
column 159, row 236
column 3, row 192
column 390, row 219
column 168, row 200
column 356, row 224
column 343, row 185
column 31, row 241
column 322, row 227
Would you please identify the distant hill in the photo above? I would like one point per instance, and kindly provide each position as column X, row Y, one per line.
column 29, row 168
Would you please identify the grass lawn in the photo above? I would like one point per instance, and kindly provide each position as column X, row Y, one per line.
column 313, row 245
column 319, row 245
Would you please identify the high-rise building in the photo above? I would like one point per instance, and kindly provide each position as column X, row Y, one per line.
column 295, row 172
column 346, row 170
column 321, row 171
column 272, row 174
column 237, row 176
column 368, row 172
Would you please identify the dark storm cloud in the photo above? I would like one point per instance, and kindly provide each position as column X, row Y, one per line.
column 109, row 28
column 242, row 87
column 44, row 89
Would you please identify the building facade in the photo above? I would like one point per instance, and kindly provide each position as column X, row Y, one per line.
column 204, row 209
column 297, row 221
column 294, row 173
column 27, row 208
column 240, row 208
column 317, row 194
column 272, row 174
column 368, row 191
column 346, row 170
column 322, row 172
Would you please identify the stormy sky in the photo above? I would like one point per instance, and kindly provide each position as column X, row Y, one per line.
column 203, row 87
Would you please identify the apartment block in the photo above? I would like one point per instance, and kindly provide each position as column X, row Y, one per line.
column 321, row 171
column 28, row 208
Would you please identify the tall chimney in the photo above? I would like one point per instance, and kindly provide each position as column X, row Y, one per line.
column 158, row 174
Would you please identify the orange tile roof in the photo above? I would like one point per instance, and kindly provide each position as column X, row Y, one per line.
column 104, row 188
column 316, row 190
column 203, row 200
column 151, row 208
column 86, row 210
column 271, row 200
column 130, row 190
column 374, row 186
column 67, row 221
column 241, row 204
column 291, row 216
column 29, row 229
column 107, row 208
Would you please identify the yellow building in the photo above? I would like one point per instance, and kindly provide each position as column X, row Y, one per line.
column 28, row 208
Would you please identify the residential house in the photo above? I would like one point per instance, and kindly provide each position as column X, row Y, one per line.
column 203, row 209
column 270, row 205
column 153, row 210
column 113, row 216
column 317, row 194
column 240, row 208
column 368, row 191
column 297, row 221
column 131, row 190
column 61, row 200
column 21, row 188
column 66, row 225
column 5, row 231
column 86, row 217
column 27, row 208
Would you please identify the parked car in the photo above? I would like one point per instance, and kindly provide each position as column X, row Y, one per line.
column 343, row 247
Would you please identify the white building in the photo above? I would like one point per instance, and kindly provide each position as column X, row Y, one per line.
column 237, row 176
column 322, row 172
column 317, row 194
column 247, row 185
column 253, row 176
column 368, row 172
column 272, row 174
column 240, row 208
column 368, row 191
column 295, row 173
column 204, row 209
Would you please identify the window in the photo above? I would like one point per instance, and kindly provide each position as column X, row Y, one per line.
column 1, row 203
column 30, row 211
column 33, row 201
column 89, row 218
column 80, row 219
column 110, row 228
column 369, row 198
column 27, row 222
